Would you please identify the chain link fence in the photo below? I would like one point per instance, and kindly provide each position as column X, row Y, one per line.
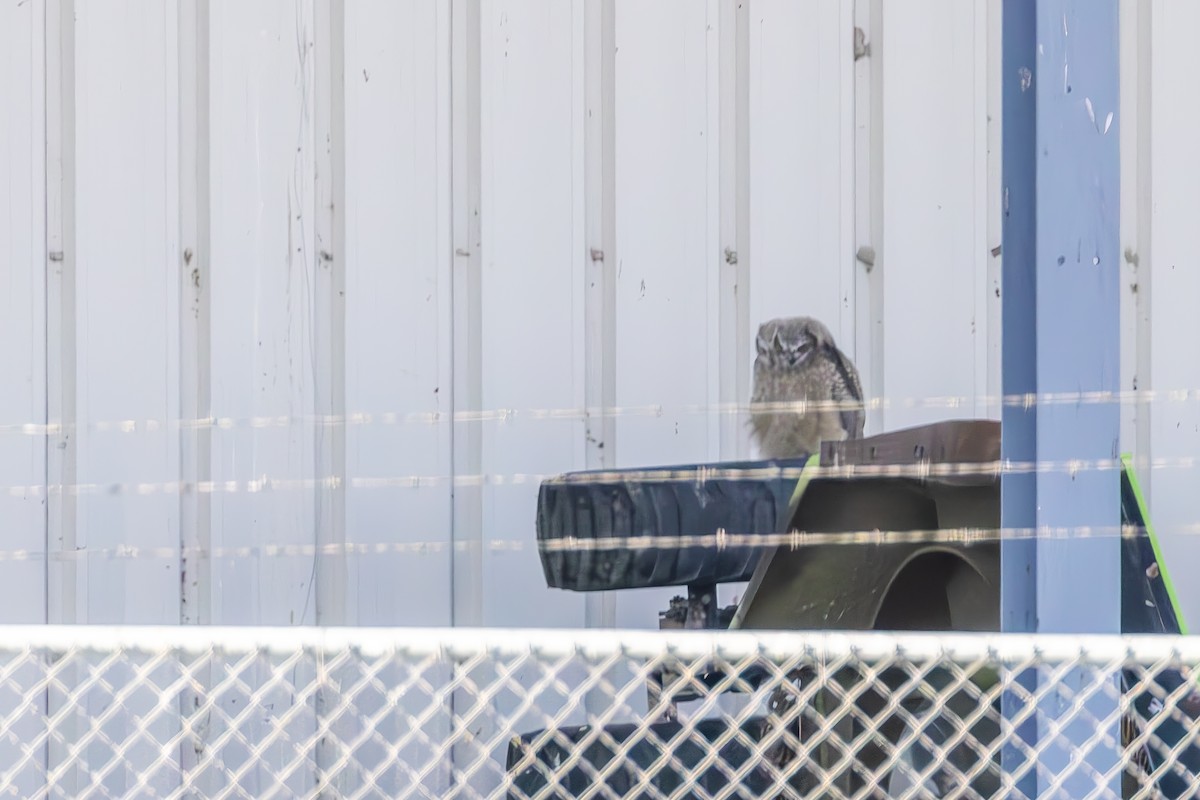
column 261, row 713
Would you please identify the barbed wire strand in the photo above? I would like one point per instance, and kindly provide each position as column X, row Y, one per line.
column 699, row 475
column 720, row 540
column 921, row 470
column 389, row 418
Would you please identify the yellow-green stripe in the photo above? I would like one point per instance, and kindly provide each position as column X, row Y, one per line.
column 1127, row 463
column 810, row 466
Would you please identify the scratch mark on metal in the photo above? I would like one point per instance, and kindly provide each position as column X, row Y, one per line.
column 301, row 180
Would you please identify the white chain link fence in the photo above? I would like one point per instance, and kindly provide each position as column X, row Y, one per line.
column 260, row 713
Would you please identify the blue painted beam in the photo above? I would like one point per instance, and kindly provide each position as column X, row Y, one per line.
column 1061, row 334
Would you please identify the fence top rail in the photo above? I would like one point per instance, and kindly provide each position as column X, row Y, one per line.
column 459, row 644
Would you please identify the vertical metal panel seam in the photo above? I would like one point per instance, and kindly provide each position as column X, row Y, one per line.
column 869, row 244
column 466, row 604
column 466, row 527
column 745, row 256
column 62, row 578
column 195, row 313
column 580, row 242
column 195, row 368
column 712, row 276
column 174, row 283
column 600, row 258
column 1138, row 260
column 60, row 315
column 40, row 85
column 444, row 198
column 1130, row 67
column 878, row 318
column 995, row 255
column 848, row 266
column 733, row 256
column 1145, row 156
column 330, row 378
column 39, row 230
column 981, row 258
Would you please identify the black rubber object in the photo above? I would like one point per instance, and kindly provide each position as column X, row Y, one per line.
column 741, row 497
column 642, row 749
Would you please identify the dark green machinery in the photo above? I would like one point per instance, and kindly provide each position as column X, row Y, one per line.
column 894, row 532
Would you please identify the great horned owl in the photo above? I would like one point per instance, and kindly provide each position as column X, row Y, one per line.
column 798, row 361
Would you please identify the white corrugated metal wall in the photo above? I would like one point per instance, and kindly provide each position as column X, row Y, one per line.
column 274, row 213
column 270, row 214
column 544, row 205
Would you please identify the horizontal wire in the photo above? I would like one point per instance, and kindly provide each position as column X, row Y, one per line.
column 1025, row 401
column 720, row 540
column 699, row 475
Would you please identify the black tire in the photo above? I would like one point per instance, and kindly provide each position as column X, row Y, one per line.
column 747, row 497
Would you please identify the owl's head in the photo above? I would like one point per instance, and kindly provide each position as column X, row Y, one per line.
column 790, row 342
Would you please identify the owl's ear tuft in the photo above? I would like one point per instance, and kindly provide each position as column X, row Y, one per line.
column 776, row 342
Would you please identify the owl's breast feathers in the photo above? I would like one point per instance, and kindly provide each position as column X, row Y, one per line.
column 826, row 382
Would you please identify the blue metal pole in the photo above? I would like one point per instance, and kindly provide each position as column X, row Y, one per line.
column 1060, row 328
